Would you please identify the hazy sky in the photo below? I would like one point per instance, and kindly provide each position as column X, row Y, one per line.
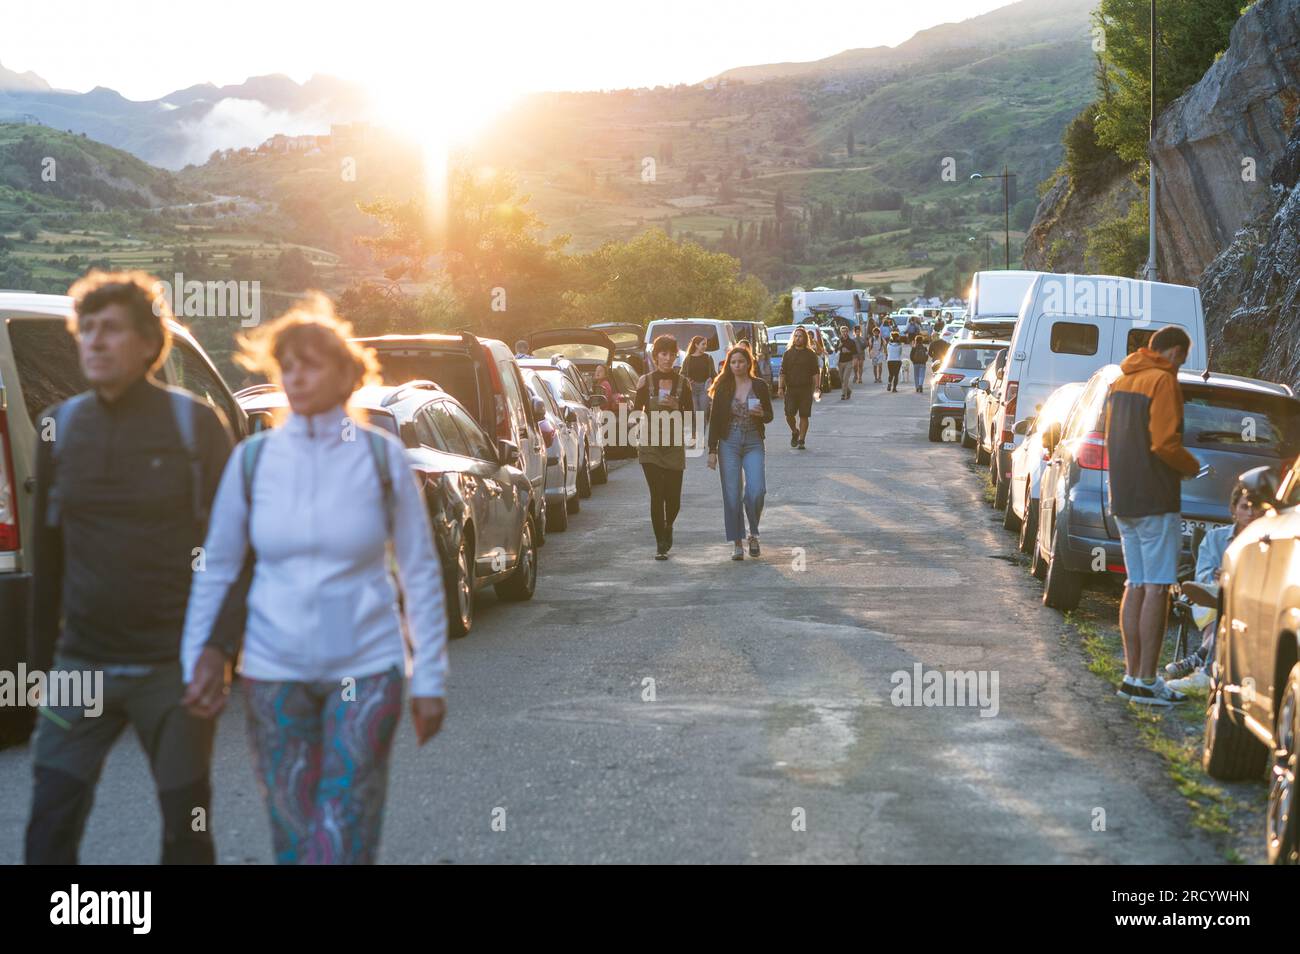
column 145, row 49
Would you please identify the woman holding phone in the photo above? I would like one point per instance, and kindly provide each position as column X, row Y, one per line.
column 662, row 449
column 742, row 404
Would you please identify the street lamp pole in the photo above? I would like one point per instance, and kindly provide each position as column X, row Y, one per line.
column 1006, row 178
column 1150, row 272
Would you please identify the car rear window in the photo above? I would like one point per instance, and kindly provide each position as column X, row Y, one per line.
column 973, row 359
column 1228, row 419
column 683, row 333
column 574, row 350
column 455, row 373
column 46, row 357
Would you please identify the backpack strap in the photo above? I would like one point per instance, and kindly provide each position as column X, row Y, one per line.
column 185, row 411
column 249, row 454
column 379, row 451
column 63, row 414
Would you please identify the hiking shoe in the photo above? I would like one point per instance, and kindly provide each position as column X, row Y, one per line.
column 660, row 555
column 1157, row 695
column 1199, row 681
column 794, row 440
column 1185, row 666
column 753, row 546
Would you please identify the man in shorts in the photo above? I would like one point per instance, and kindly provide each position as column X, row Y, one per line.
column 1144, row 425
column 800, row 369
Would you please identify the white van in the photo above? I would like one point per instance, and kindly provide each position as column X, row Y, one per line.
column 1071, row 325
column 719, row 336
column 995, row 300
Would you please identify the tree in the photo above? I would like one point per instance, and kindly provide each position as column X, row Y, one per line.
column 29, row 230
column 294, row 270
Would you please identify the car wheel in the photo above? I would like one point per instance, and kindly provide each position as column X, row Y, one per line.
column 1063, row 588
column 967, row 441
column 936, row 430
column 981, row 455
column 1029, row 526
column 460, row 589
column 557, row 519
column 601, row 474
column 522, row 583
column 584, row 475
column 1231, row 752
column 1009, row 519
column 542, row 516
column 1282, row 823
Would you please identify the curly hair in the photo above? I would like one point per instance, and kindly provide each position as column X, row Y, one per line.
column 140, row 293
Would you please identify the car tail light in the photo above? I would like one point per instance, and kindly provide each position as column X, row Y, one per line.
column 548, row 431
column 949, row 378
column 1116, row 567
column 8, row 490
column 1092, row 454
column 1009, row 412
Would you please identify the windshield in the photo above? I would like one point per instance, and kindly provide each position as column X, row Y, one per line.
column 683, row 332
column 1228, row 419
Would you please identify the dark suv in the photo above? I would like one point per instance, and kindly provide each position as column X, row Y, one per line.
column 1230, row 424
column 39, row 367
column 477, row 495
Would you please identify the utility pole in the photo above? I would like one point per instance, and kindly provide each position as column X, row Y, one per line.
column 1149, row 271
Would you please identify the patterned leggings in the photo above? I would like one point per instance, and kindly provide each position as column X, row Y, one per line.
column 322, row 762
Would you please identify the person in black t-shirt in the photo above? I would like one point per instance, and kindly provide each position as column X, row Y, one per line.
column 800, row 371
column 848, row 355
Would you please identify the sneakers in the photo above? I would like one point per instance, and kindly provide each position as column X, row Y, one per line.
column 794, row 440
column 1156, row 694
column 802, row 446
column 753, row 546
column 738, row 552
column 1185, row 666
column 1199, row 681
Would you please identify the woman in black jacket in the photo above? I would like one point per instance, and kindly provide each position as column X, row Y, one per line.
column 742, row 404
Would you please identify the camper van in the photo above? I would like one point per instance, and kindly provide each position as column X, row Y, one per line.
column 1071, row 325
column 995, row 299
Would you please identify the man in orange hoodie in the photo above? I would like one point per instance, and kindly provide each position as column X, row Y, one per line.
column 1147, row 464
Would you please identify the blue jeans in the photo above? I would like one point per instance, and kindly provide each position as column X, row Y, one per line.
column 740, row 466
column 918, row 372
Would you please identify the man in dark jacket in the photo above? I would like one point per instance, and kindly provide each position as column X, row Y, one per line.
column 125, row 474
column 1147, row 460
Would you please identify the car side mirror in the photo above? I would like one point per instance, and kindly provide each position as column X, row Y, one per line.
column 1261, row 484
column 260, row 421
column 570, row 416
column 983, row 385
column 1023, row 427
column 508, row 453
column 1052, row 436
column 596, row 401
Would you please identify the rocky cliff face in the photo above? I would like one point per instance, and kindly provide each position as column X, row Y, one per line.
column 1216, row 144
column 1058, row 237
column 1251, row 290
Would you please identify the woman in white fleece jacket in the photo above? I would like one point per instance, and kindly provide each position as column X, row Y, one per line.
column 323, row 652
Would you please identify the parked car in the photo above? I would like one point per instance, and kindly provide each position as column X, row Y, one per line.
column 623, row 379
column 979, row 403
column 566, row 387
column 476, row 491
column 1252, row 720
column 1028, row 460
column 953, row 375
column 563, row 438
column 780, row 335
column 39, row 367
column 995, row 300
column 1077, row 536
column 1071, row 325
column 719, row 336
column 480, row 373
column 627, row 338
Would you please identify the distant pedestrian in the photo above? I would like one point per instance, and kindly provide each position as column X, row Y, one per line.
column 860, row 343
column 1148, row 462
column 315, row 508
column 602, row 384
column 894, row 359
column 800, row 376
column 848, row 355
column 122, row 493
column 920, row 355
column 664, row 396
column 742, row 404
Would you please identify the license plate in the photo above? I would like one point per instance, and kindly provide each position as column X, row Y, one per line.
column 1190, row 525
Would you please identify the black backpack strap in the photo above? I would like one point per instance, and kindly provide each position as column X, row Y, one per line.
column 62, row 418
column 185, row 411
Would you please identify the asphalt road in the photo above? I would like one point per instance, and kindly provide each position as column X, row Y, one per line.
column 772, row 693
